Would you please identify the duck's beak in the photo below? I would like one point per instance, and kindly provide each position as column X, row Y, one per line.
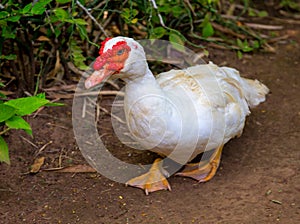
column 97, row 77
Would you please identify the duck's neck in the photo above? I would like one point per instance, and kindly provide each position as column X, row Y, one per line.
column 142, row 86
column 144, row 94
column 147, row 110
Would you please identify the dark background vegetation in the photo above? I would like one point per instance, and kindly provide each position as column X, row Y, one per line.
column 46, row 41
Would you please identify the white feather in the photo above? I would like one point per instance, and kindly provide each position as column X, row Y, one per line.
column 185, row 112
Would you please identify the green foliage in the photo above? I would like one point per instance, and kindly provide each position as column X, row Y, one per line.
column 15, row 13
column 255, row 13
column 37, row 31
column 290, row 4
column 27, row 105
column 77, row 56
column 129, row 15
column 158, row 32
column 17, row 122
column 207, row 28
column 245, row 46
column 178, row 21
column 4, row 156
column 177, row 40
column 6, row 112
column 57, row 23
column 2, row 96
column 11, row 113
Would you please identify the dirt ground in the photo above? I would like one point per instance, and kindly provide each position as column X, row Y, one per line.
column 258, row 180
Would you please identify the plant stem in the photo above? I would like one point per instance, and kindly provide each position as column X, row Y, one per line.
column 92, row 17
column 4, row 131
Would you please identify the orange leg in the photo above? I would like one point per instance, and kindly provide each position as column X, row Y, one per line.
column 153, row 180
column 203, row 171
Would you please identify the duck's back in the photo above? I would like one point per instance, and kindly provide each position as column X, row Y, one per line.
column 219, row 93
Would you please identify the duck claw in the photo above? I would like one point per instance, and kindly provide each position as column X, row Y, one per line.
column 153, row 180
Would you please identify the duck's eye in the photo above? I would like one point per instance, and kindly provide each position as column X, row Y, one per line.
column 120, row 52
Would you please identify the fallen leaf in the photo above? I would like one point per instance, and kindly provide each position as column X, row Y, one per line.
column 36, row 166
column 43, row 38
column 6, row 93
column 74, row 169
column 276, row 202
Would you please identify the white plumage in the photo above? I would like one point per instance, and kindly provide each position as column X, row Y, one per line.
column 199, row 108
column 182, row 113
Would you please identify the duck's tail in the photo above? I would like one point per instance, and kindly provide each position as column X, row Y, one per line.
column 255, row 92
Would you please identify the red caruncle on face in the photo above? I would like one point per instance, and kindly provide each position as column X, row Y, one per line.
column 113, row 59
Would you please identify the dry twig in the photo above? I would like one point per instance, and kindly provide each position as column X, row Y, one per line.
column 288, row 21
column 104, row 92
column 276, row 39
column 92, row 17
column 74, row 69
column 111, row 114
column 42, row 148
column 28, row 141
column 228, row 31
column 263, row 26
column 158, row 14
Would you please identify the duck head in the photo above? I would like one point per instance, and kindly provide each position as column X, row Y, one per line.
column 121, row 57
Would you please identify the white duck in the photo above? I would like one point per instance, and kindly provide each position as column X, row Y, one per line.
column 181, row 113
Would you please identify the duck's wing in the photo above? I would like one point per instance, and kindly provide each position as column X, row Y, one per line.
column 217, row 90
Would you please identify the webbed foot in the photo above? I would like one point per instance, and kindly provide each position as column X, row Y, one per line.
column 153, row 180
column 205, row 170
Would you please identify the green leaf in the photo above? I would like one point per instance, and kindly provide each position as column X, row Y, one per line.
column 76, row 54
column 251, row 12
column 125, row 13
column 8, row 33
column 262, row 13
column 207, row 30
column 177, row 41
column 240, row 43
column 27, row 105
column 247, row 48
column 9, row 57
column 135, row 20
column 63, row 1
column 80, row 21
column 256, row 44
column 158, row 33
column 128, row 14
column 54, row 104
column 206, row 52
column 177, row 11
column 3, row 23
column 39, row 7
column 57, row 32
column 244, row 46
column 17, row 122
column 41, row 95
column 165, row 8
column 6, row 112
column 61, row 14
column 82, row 32
column 290, row 4
column 240, row 55
column 27, row 8
column 3, row 14
column 3, row 96
column 13, row 18
column 4, row 156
